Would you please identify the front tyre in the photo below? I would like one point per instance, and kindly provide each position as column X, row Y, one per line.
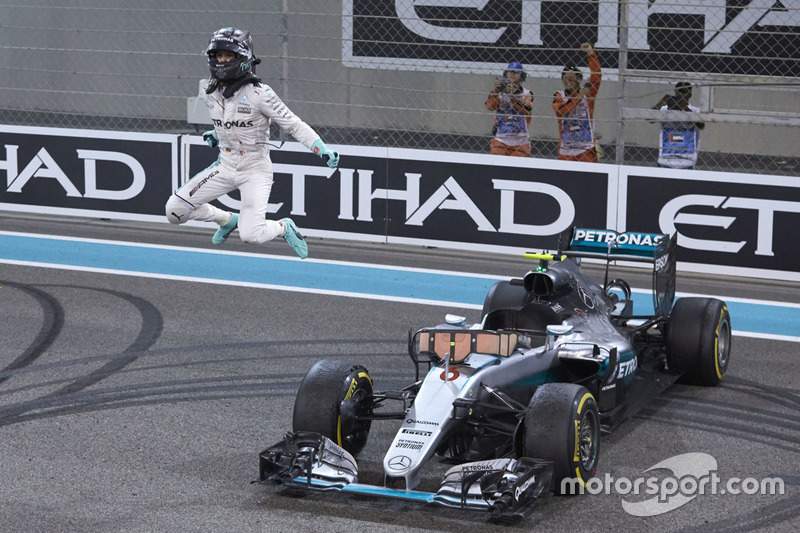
column 699, row 340
column 333, row 400
column 562, row 425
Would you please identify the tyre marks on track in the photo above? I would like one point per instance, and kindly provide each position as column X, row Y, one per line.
column 763, row 415
column 766, row 517
column 149, row 333
column 79, row 394
column 771, row 428
column 52, row 324
column 108, row 399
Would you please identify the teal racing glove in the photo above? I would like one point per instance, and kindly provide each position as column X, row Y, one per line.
column 327, row 155
column 211, row 138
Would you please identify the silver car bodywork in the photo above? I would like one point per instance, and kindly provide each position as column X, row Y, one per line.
column 553, row 325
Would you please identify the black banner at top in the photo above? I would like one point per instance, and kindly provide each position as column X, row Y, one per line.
column 735, row 37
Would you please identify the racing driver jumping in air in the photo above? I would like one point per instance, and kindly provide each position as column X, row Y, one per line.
column 241, row 108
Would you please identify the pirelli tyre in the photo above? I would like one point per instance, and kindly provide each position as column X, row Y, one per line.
column 333, row 399
column 562, row 425
column 699, row 340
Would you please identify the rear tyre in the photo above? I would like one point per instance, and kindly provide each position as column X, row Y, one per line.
column 562, row 425
column 699, row 340
column 333, row 399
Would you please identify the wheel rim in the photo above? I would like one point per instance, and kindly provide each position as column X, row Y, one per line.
column 723, row 345
column 354, row 432
column 588, row 441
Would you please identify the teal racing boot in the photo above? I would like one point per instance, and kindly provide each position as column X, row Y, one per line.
column 225, row 230
column 294, row 238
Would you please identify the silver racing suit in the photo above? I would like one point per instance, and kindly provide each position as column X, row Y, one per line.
column 242, row 126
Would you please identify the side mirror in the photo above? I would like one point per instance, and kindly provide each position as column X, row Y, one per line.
column 455, row 320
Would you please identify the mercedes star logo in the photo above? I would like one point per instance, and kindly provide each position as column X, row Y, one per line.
column 399, row 462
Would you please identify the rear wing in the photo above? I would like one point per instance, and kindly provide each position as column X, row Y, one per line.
column 610, row 245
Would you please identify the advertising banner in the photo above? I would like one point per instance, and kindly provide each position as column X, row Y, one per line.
column 730, row 220
column 468, row 201
column 727, row 223
column 708, row 36
column 471, row 199
column 64, row 171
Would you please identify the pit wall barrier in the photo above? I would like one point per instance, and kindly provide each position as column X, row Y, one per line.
column 726, row 223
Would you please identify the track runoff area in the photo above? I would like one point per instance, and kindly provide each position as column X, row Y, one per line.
column 751, row 318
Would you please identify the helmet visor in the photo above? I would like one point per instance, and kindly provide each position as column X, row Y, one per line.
column 223, row 44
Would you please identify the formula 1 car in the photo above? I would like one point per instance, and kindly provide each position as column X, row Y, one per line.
column 518, row 401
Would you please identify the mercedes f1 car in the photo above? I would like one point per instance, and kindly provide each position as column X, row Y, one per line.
column 518, row 401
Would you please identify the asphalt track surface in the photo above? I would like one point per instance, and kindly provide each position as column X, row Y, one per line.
column 134, row 403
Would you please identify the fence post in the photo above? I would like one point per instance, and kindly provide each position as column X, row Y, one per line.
column 624, row 18
column 284, row 58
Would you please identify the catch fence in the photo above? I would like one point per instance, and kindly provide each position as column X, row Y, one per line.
column 416, row 73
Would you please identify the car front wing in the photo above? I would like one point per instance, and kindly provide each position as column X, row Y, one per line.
column 507, row 488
